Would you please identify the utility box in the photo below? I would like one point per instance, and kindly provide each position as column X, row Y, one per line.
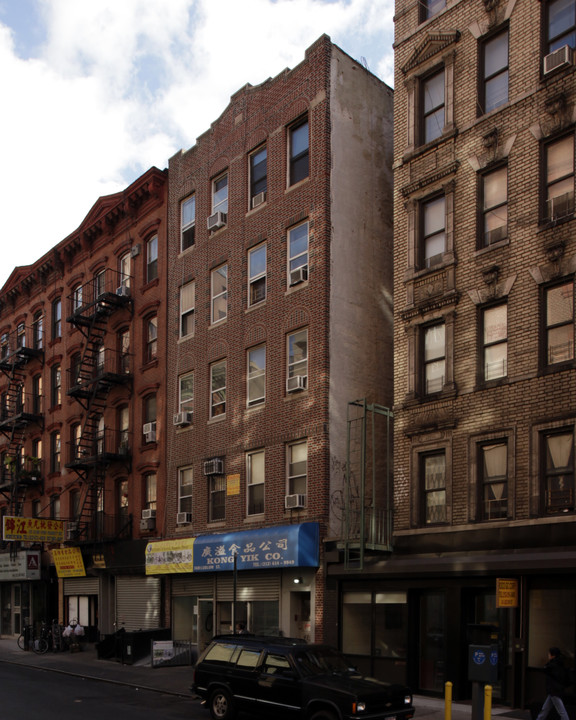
column 483, row 663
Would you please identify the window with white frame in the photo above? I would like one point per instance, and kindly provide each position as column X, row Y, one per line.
column 494, row 80
column 298, row 253
column 220, row 194
column 56, row 385
column 124, row 266
column 434, row 358
column 559, row 323
column 218, row 389
column 255, row 463
column 186, row 393
column 559, row 161
column 150, row 491
column 433, row 483
column 256, row 275
column 187, row 308
column 77, row 293
column 20, row 335
column 99, row 284
column 152, row 259
column 299, row 151
column 558, row 470
column 433, row 231
column 495, row 341
column 219, row 294
column 494, row 216
column 432, row 107
column 56, row 319
column 187, row 222
column 560, row 24
column 297, row 354
column 185, row 490
column 258, row 176
column 297, row 460
column 38, row 330
column 151, row 339
column 256, row 374
column 493, row 472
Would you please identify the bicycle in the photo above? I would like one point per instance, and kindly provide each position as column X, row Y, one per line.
column 28, row 640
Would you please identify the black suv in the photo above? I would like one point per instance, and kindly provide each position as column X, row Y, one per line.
column 286, row 677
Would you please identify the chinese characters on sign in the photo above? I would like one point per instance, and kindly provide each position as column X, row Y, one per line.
column 33, row 529
column 68, row 562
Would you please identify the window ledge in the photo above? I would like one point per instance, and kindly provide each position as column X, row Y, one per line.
column 494, row 246
column 217, row 419
column 412, row 153
column 299, row 184
column 257, row 305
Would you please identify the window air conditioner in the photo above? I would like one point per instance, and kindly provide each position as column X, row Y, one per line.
column 297, row 382
column 148, row 514
column 560, row 206
column 149, row 428
column 258, row 199
column 148, row 524
column 299, row 275
column 214, row 467
column 135, row 251
column 494, row 236
column 183, row 518
column 294, row 501
column 216, row 221
column 558, row 58
column 123, row 291
column 183, row 418
column 72, row 531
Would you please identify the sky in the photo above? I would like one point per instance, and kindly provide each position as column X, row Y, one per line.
column 95, row 92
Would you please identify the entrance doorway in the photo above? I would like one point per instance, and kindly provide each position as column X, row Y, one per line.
column 300, row 625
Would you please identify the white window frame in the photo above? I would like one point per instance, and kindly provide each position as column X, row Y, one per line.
column 296, row 364
column 124, row 268
column 218, row 392
column 187, row 223
column 186, row 393
column 298, row 257
column 257, row 275
column 185, row 499
column 294, row 480
column 254, row 375
column 187, row 308
column 219, row 197
column 494, row 342
column 255, row 478
column 152, row 258
column 261, row 184
column 221, row 295
column 77, row 293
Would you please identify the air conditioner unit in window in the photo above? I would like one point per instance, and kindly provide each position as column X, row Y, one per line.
column 183, row 518
column 299, row 275
column 558, row 58
column 148, row 524
column 560, row 206
column 214, row 467
column 135, row 251
column 148, row 514
column 216, row 221
column 258, row 199
column 294, row 501
column 123, row 291
column 297, row 382
column 72, row 530
column 494, row 236
column 149, row 428
column 183, row 418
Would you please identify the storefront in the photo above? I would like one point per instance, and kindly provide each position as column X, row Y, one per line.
column 23, row 595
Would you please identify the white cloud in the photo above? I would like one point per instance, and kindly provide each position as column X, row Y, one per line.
column 116, row 87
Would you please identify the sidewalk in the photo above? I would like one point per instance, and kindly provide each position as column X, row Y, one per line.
column 177, row 680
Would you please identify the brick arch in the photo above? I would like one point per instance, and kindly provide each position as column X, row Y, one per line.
column 257, row 138
column 217, row 350
column 299, row 316
column 298, row 107
column 255, row 335
column 218, row 165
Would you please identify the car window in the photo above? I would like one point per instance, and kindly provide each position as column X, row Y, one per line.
column 321, row 660
column 275, row 664
column 248, row 658
column 220, row 652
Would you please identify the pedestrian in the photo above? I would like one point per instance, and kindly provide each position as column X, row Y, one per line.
column 557, row 679
column 241, row 628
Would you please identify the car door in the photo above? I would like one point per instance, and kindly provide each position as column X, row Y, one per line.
column 278, row 688
column 243, row 679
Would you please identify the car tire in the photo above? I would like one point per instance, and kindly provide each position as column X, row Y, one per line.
column 221, row 707
column 323, row 715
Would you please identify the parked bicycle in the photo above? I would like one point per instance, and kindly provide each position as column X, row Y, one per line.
column 39, row 642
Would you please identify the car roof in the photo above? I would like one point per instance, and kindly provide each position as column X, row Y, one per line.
column 268, row 641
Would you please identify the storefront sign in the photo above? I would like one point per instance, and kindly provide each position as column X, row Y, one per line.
column 68, row 562
column 274, row 547
column 25, row 566
column 33, row 529
column 506, row 593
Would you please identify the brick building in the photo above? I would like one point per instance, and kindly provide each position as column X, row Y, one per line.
column 485, row 380
column 82, row 361
column 279, row 316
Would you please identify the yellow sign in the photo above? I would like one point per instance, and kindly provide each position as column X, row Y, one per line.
column 170, row 556
column 506, row 593
column 68, row 562
column 33, row 529
column 233, row 485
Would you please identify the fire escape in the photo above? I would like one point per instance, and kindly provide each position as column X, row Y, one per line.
column 98, row 370
column 18, row 411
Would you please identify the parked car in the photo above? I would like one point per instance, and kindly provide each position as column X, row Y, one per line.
column 288, row 678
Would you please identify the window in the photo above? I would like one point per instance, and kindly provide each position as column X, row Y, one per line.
column 76, row 439
column 559, row 471
column 122, row 504
column 433, row 231
column 299, row 152
column 561, row 25
column 494, row 206
column 56, row 385
column 152, row 259
column 150, row 491
column 75, row 504
column 258, row 177
column 77, row 294
column 20, row 335
column 559, row 323
column 298, row 357
column 37, row 394
column 297, row 468
column 124, row 351
column 151, row 339
column 256, row 373
column 187, row 222
column 429, row 8
column 257, row 275
column 55, row 451
column 187, row 306
column 255, row 482
column 124, row 270
column 433, row 473
column 99, row 284
column 150, row 408
column 4, row 345
column 495, row 342
column 38, row 331
column 434, row 358
column 219, row 294
column 220, row 194
column 123, row 429
column 494, row 82
column 56, row 318
column 185, row 489
column 298, row 254
column 559, row 159
column 432, row 104
column 218, row 389
column 493, row 470
column 55, row 507
column 217, row 497
column 186, row 393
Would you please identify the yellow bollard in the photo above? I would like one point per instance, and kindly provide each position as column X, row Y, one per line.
column 448, row 701
column 487, row 702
